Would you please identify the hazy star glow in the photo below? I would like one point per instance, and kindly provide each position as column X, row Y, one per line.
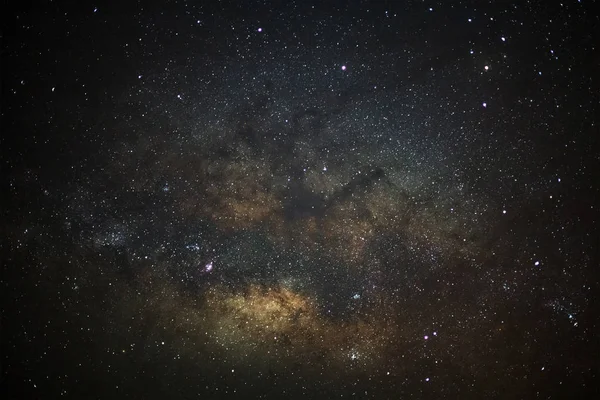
column 313, row 200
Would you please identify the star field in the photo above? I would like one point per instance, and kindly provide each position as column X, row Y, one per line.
column 300, row 200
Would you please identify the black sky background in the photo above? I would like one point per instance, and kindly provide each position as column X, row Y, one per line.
column 353, row 174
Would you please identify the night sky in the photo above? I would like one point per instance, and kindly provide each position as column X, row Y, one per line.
column 300, row 199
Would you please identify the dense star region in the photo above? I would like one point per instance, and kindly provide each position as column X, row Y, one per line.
column 301, row 199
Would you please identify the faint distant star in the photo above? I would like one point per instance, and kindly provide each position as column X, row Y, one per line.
column 259, row 29
column 343, row 67
column 484, row 105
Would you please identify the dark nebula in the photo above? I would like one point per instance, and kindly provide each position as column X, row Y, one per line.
column 295, row 199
